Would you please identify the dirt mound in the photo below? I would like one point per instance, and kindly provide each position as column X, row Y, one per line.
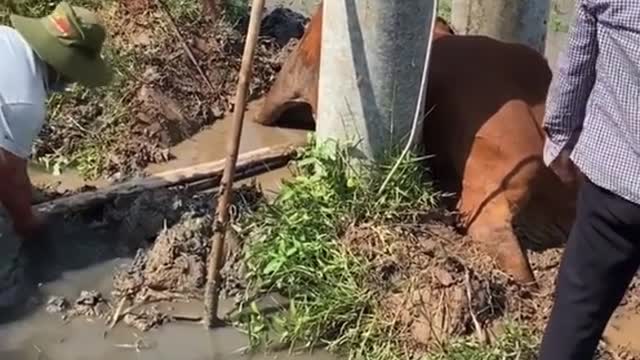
column 175, row 74
column 176, row 262
column 426, row 281
column 436, row 284
column 170, row 233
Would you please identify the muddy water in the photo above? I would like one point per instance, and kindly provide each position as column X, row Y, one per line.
column 44, row 336
column 208, row 145
column 211, row 144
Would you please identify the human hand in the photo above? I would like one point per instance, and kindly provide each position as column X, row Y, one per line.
column 31, row 228
column 566, row 170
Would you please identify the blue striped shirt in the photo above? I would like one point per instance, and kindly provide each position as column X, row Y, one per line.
column 593, row 106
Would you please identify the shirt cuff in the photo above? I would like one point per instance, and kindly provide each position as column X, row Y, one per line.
column 551, row 150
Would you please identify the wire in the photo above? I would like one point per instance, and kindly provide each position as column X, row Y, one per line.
column 420, row 102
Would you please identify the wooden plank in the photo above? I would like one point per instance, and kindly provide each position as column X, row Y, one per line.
column 249, row 164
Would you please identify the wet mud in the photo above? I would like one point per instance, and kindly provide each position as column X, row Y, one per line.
column 106, row 263
column 210, row 144
column 98, row 252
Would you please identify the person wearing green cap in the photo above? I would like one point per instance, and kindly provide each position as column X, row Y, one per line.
column 39, row 56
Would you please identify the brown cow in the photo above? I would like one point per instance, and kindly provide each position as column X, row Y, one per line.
column 485, row 131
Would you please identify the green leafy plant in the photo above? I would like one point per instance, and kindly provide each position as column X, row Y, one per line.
column 294, row 250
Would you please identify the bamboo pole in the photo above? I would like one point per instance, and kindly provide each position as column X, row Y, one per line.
column 222, row 212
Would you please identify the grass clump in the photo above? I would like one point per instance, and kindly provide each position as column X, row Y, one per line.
column 295, row 250
column 516, row 342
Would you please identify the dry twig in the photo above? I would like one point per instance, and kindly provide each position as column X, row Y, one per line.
column 482, row 337
column 172, row 21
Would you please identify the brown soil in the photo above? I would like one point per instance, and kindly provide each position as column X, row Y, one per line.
column 431, row 281
column 159, row 96
column 434, row 284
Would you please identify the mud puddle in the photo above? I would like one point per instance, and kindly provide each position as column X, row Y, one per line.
column 46, row 336
column 211, row 144
column 82, row 261
column 208, row 145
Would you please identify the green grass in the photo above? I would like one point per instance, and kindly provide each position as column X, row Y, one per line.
column 444, row 9
column 292, row 248
column 295, row 251
column 236, row 9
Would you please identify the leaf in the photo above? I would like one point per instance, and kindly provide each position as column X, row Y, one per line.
column 273, row 266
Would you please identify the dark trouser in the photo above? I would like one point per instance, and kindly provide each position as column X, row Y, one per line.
column 600, row 259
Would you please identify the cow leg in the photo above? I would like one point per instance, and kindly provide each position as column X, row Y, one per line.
column 493, row 230
column 296, row 83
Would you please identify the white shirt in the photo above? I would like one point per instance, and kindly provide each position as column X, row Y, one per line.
column 22, row 93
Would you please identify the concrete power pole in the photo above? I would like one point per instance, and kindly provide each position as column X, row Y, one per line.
column 561, row 16
column 372, row 60
column 521, row 21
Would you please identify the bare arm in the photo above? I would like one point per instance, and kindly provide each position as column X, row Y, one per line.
column 20, row 124
column 571, row 86
column 15, row 193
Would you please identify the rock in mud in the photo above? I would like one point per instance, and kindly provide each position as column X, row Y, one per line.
column 57, row 305
column 146, row 319
column 283, row 24
column 90, row 303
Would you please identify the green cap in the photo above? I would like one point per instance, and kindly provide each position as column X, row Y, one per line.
column 70, row 40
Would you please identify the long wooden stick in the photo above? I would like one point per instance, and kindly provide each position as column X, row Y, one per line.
column 249, row 164
column 215, row 258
